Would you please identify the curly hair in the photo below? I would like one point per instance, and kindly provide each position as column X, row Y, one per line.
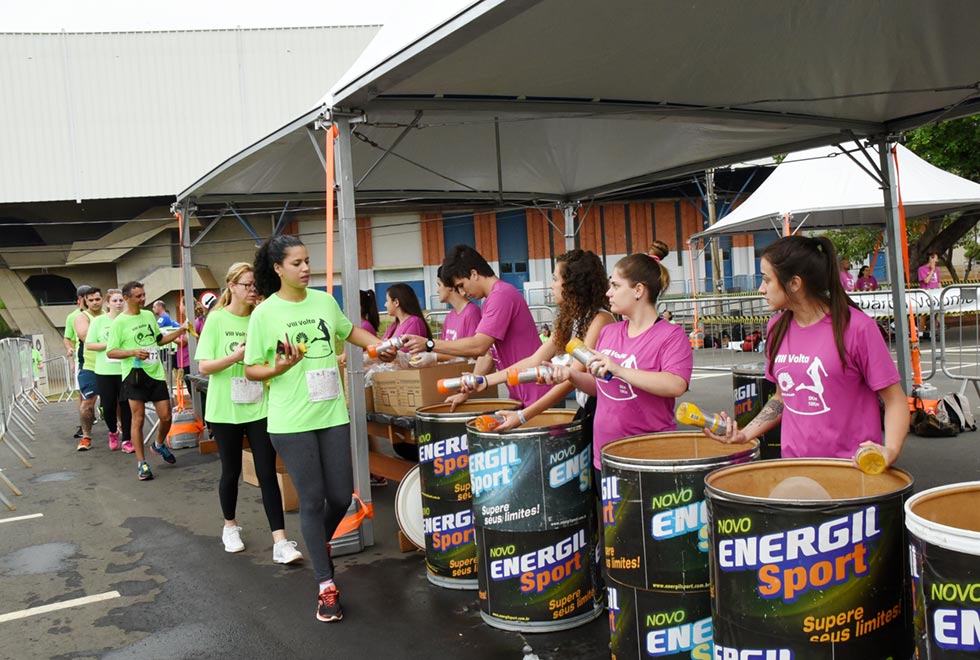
column 583, row 293
column 270, row 253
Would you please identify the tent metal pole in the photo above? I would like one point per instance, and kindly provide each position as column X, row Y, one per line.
column 568, row 210
column 352, row 308
column 893, row 229
column 187, row 276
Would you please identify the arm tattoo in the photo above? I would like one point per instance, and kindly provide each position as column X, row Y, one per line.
column 772, row 410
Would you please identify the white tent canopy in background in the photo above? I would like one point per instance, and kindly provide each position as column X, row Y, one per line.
column 824, row 187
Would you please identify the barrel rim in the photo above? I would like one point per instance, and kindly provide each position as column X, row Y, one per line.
column 754, row 446
column 945, row 536
column 712, row 492
column 424, row 414
column 569, row 427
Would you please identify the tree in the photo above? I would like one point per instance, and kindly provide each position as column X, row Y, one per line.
column 854, row 243
column 955, row 147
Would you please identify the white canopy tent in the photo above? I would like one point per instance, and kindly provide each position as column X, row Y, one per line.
column 830, row 187
column 556, row 101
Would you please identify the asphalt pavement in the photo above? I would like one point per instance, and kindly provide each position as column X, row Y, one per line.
column 180, row 595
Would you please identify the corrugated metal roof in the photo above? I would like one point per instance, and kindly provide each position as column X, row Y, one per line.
column 137, row 114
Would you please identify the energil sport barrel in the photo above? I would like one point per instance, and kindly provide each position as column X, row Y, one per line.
column 536, row 527
column 944, row 544
column 653, row 510
column 819, row 571
column 450, row 554
column 750, row 392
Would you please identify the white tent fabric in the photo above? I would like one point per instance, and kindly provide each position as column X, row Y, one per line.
column 823, row 187
column 590, row 98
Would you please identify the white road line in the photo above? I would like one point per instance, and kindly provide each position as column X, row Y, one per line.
column 53, row 607
column 33, row 515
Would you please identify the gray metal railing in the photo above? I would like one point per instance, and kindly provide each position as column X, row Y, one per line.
column 18, row 407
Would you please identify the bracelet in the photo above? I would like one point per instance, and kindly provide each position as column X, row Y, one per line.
column 520, row 416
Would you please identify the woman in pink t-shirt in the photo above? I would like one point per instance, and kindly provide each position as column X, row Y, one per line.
column 650, row 359
column 579, row 286
column 402, row 303
column 866, row 281
column 828, row 360
column 370, row 319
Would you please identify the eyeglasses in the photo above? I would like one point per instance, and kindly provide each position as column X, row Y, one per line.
column 249, row 286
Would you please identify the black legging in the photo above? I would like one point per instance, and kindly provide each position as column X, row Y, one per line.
column 320, row 465
column 109, row 389
column 229, row 439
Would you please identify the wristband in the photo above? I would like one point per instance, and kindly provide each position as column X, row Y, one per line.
column 520, row 416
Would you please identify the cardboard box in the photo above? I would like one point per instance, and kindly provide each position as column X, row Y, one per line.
column 368, row 392
column 290, row 501
column 402, row 392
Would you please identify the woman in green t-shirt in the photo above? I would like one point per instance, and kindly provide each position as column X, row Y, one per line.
column 291, row 346
column 237, row 408
column 108, row 375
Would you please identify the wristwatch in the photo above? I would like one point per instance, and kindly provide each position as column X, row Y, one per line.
column 429, row 345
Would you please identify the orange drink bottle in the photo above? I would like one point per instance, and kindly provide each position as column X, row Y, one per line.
column 450, row 385
column 487, row 423
column 531, row 375
column 394, row 342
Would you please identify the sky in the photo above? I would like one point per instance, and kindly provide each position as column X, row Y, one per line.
column 139, row 15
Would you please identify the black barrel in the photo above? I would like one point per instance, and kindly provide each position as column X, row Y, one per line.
column 536, row 527
column 450, row 553
column 750, row 392
column 818, row 571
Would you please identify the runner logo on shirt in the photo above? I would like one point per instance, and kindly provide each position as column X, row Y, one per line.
column 315, row 333
column 804, row 398
column 618, row 389
column 145, row 335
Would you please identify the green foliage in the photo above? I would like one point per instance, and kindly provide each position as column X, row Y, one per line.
column 955, row 147
column 854, row 243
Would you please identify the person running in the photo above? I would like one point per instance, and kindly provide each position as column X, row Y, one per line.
column 403, row 305
column 290, row 345
column 506, row 332
column 578, row 285
column 370, row 319
column 135, row 338
column 71, row 341
column 650, row 360
column 828, row 360
column 237, row 408
column 464, row 317
column 87, row 386
column 108, row 375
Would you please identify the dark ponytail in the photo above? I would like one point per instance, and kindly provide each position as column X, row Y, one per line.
column 270, row 253
column 814, row 261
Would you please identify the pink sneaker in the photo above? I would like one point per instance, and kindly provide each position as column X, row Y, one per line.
column 127, row 447
column 113, row 441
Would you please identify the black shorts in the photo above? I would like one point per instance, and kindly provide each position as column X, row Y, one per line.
column 139, row 387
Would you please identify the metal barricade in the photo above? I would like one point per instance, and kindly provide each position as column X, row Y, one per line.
column 16, row 409
column 878, row 305
column 60, row 377
column 959, row 330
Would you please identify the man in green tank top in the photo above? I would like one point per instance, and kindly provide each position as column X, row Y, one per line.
column 87, row 392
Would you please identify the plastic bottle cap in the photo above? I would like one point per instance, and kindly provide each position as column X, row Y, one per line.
column 573, row 344
column 513, row 377
column 441, row 386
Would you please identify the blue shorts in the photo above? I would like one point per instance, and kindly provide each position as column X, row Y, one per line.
column 86, row 384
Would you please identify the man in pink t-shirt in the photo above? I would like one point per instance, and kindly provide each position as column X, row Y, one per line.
column 506, row 332
column 929, row 272
column 464, row 317
column 825, row 404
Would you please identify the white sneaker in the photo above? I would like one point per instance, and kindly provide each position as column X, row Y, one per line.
column 231, row 537
column 285, row 552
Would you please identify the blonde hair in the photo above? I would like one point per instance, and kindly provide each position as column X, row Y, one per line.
column 235, row 272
